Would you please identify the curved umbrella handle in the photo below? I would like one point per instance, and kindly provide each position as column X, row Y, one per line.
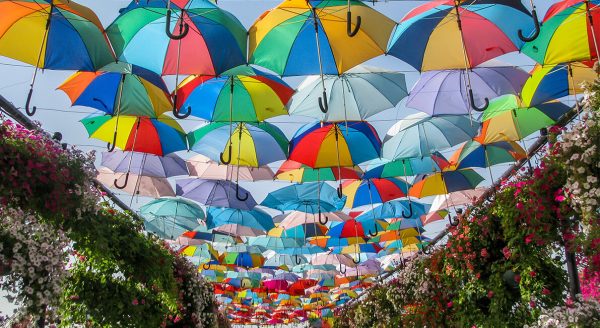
column 323, row 103
column 228, row 161
column 206, row 266
column 474, row 106
column 410, row 213
column 124, row 183
column 326, row 219
column 30, row 112
column 237, row 194
column 297, row 260
column 111, row 147
column 177, row 113
column 352, row 32
column 453, row 221
column 184, row 28
column 340, row 192
column 374, row 234
column 342, row 271
column 355, row 261
column 537, row 29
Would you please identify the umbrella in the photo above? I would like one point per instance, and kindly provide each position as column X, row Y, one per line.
column 441, row 183
column 354, row 228
column 419, row 135
column 274, row 242
column 372, row 191
column 384, row 168
column 297, row 172
column 312, row 197
column 296, row 218
column 215, row 193
column 158, row 136
column 239, row 230
column 205, row 253
column 358, row 249
column 508, row 118
column 567, row 33
column 143, row 186
column 453, row 34
column 171, row 217
column 284, row 261
column 52, row 35
column 143, row 164
column 475, row 154
column 242, row 94
column 281, row 38
column 255, row 218
column 203, row 167
column 441, row 92
column 556, row 81
column 457, row 198
column 250, row 144
column 243, row 259
column 335, row 259
column 301, row 231
column 393, row 209
column 354, row 96
column 304, row 250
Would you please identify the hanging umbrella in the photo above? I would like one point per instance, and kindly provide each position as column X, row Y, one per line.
column 158, row 136
column 393, row 209
column 384, row 168
column 243, row 259
column 508, row 118
column 143, row 186
column 457, row 198
column 567, row 33
column 304, row 250
column 170, row 217
column 284, row 261
column 274, row 242
column 255, row 218
column 55, row 35
column 204, row 253
column 328, row 241
column 301, row 231
column 453, row 34
column 433, row 217
column 335, row 259
column 297, row 172
column 242, row 94
column 296, row 218
column 282, row 37
column 143, row 164
column 238, row 230
column 250, row 144
column 475, row 154
column 203, row 167
column 441, row 183
column 358, row 249
column 353, row 96
column 354, row 229
column 419, row 135
column 307, row 197
column 373, row 191
column 442, row 92
column 556, row 81
column 215, row 193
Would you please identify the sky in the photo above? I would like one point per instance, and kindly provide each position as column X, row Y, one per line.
column 56, row 114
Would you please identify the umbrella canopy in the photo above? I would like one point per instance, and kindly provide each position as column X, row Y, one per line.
column 140, row 186
column 204, row 38
column 358, row 249
column 296, row 218
column 203, row 167
column 168, row 227
column 239, row 230
column 443, row 92
column 310, row 197
column 373, row 191
column 353, row 96
column 119, row 88
column 334, row 259
column 243, row 144
column 384, row 168
column 475, row 154
column 556, row 81
column 566, row 33
column 174, row 207
column 274, row 242
column 321, row 145
column 282, row 37
column 457, row 198
column 62, row 35
column 284, row 261
column 430, row 38
column 301, row 231
column 419, row 135
column 508, row 118
column 145, row 164
column 243, row 259
column 255, row 218
column 297, row 172
column 441, row 183
column 242, row 94
column 158, row 136
column 394, row 209
column 353, row 228
column 215, row 193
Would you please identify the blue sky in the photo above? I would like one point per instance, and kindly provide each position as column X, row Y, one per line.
column 56, row 114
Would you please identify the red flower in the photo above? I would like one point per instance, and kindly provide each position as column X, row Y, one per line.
column 517, row 278
column 450, row 304
column 490, row 294
column 506, row 253
column 484, row 253
column 546, row 291
column 529, row 238
column 532, row 274
column 135, row 301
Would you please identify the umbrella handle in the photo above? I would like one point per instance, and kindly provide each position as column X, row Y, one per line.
column 342, row 271
column 474, row 106
column 453, row 222
column 376, row 232
column 177, row 112
column 184, row 28
column 237, row 194
column 30, row 112
column 124, row 184
column 226, row 162
column 355, row 261
column 426, row 250
column 410, row 213
column 323, row 103
column 321, row 221
column 537, row 29
column 206, row 266
column 352, row 32
column 297, row 259
column 340, row 192
column 111, row 147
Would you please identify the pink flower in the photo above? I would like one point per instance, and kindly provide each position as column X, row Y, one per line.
column 517, row 278
column 546, row 291
column 532, row 303
column 484, row 253
column 506, row 253
column 450, row 304
column 520, row 205
column 490, row 294
column 529, row 238
column 135, row 301
column 532, row 274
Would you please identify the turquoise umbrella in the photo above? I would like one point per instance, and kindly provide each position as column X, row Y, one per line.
column 314, row 197
column 256, row 218
column 274, row 242
column 394, row 209
column 170, row 217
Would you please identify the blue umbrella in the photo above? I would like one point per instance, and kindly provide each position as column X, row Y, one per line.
column 304, row 250
column 274, row 242
column 394, row 209
column 170, row 217
column 215, row 193
column 256, row 218
column 314, row 197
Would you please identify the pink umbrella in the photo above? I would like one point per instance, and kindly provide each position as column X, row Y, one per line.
column 239, row 230
column 362, row 271
column 205, row 168
column 334, row 259
column 457, row 198
column 297, row 218
column 141, row 186
column 433, row 217
column 276, row 284
column 274, row 321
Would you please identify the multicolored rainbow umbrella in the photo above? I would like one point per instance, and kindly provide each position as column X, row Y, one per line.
column 373, row 191
column 293, row 171
column 441, row 183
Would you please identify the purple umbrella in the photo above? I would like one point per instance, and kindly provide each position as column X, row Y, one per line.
column 215, row 193
column 444, row 92
column 145, row 164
